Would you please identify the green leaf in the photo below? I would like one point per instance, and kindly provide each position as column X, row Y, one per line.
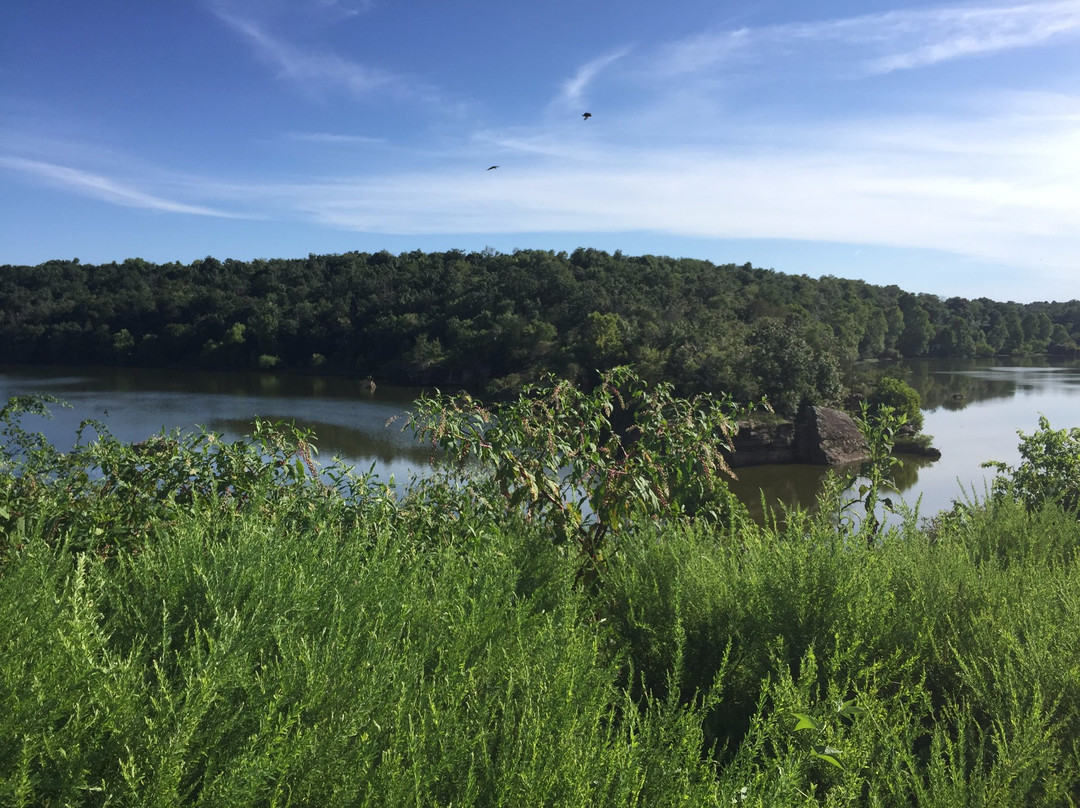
column 828, row 754
column 806, row 722
column 849, row 709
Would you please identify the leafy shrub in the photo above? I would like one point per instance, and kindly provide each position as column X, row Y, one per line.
column 256, row 636
column 262, row 638
column 106, row 494
column 588, row 463
column 901, row 396
column 1049, row 471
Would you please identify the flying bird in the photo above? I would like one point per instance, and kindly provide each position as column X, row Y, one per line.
column 586, row 116
column 491, row 167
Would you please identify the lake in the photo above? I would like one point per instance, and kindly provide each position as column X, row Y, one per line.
column 349, row 419
column 973, row 408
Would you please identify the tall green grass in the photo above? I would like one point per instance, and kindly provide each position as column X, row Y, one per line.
column 235, row 661
column 960, row 648
column 247, row 634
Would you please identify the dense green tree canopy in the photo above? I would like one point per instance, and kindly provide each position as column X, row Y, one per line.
column 899, row 395
column 490, row 321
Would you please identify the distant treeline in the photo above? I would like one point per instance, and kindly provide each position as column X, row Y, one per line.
column 490, row 321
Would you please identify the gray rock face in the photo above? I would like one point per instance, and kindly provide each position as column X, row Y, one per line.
column 764, row 444
column 820, row 436
column 828, row 437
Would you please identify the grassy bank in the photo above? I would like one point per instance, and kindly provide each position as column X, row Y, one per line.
column 186, row 622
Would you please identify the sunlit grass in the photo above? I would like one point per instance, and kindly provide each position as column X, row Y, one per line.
column 273, row 641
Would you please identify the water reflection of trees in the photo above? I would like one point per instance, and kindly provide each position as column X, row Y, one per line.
column 346, row 442
column 785, row 486
column 952, row 384
column 795, row 485
column 229, row 383
column 954, row 390
column 907, row 474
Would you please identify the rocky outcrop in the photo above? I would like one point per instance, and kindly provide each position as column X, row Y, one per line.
column 819, row 436
column 828, row 437
column 764, row 444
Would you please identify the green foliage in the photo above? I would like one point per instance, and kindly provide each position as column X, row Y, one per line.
column 1049, row 471
column 918, row 331
column 821, row 727
column 602, row 339
column 901, row 396
column 278, row 634
column 869, row 480
column 106, row 495
column 243, row 657
column 787, row 370
column 940, row 669
column 586, row 464
column 490, row 321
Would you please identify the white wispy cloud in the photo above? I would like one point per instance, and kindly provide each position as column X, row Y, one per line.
column 573, row 89
column 316, row 68
column 530, row 143
column 336, row 9
column 882, row 42
column 103, row 188
column 939, row 35
column 294, row 13
column 1004, row 188
column 299, row 66
column 334, row 138
column 705, row 51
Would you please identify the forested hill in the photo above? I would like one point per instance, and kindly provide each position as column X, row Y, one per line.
column 491, row 321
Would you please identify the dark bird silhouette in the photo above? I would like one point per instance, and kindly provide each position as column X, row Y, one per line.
column 586, row 116
column 491, row 167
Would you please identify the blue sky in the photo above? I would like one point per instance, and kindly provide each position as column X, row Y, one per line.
column 931, row 145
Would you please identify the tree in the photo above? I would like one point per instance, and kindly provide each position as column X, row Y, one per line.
column 1015, row 331
column 235, row 346
column 956, row 339
column 915, row 339
column 602, row 339
column 898, row 395
column 875, row 328
column 1049, row 471
column 894, row 319
column 425, row 355
column 585, row 464
column 123, row 345
column 1060, row 341
column 1037, row 330
column 997, row 336
column 787, row 371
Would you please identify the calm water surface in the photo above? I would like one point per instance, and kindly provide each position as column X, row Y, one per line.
column 349, row 419
column 973, row 408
